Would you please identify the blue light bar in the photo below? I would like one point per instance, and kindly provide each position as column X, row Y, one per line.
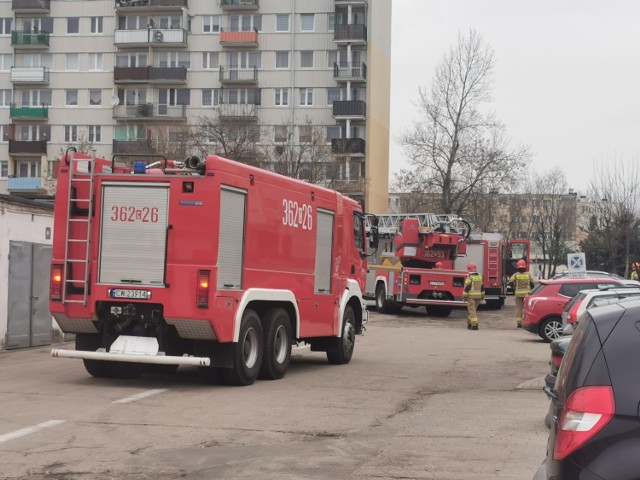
column 140, row 167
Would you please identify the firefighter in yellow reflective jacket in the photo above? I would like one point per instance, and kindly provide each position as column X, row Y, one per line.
column 473, row 295
column 522, row 283
column 634, row 272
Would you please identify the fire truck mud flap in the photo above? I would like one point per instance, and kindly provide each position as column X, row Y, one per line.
column 128, row 348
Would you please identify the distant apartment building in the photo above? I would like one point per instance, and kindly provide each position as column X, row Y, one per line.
column 123, row 77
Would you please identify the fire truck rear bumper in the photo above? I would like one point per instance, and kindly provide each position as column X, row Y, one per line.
column 422, row 301
column 132, row 357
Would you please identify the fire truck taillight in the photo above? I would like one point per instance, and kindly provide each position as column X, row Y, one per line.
column 202, row 290
column 55, row 287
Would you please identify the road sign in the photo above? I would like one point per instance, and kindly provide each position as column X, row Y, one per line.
column 576, row 262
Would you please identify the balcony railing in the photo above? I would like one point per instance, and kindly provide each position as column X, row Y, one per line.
column 29, row 39
column 362, row 3
column 28, row 112
column 31, row 6
column 231, row 75
column 150, row 111
column 238, row 39
column 349, row 186
column 236, row 112
column 30, row 75
column 164, row 4
column 131, row 146
column 354, row 72
column 239, row 4
column 347, row 146
column 27, row 184
column 251, row 96
column 354, row 33
column 350, row 109
column 150, row 74
column 28, row 147
column 167, row 37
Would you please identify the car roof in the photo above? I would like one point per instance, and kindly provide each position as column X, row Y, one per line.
column 580, row 279
column 586, row 273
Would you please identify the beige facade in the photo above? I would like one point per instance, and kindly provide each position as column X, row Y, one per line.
column 134, row 76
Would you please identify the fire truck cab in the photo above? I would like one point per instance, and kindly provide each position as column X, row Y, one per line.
column 205, row 262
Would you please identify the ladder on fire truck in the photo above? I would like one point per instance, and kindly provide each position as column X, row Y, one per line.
column 388, row 224
column 78, row 176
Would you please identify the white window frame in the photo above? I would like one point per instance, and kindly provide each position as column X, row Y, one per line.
column 70, row 133
column 288, row 16
column 94, row 133
column 211, row 24
column 302, row 55
column 69, row 25
column 95, row 90
column 306, row 97
column 96, row 63
column 66, row 97
column 281, row 97
column 97, row 25
column 208, row 62
column 280, row 53
column 215, row 95
column 313, row 22
column 70, row 59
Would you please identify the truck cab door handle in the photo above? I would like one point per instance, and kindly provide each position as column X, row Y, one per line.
column 353, row 269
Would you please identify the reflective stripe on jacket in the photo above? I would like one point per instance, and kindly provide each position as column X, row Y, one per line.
column 473, row 286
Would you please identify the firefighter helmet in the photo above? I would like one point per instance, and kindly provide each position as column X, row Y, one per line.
column 521, row 264
column 471, row 267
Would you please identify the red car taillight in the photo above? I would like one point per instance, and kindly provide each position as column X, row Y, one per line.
column 55, row 283
column 202, row 290
column 573, row 313
column 556, row 359
column 585, row 413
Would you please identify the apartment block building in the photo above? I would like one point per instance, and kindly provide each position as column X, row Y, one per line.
column 122, row 77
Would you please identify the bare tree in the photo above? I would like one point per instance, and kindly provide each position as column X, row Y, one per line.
column 233, row 138
column 616, row 189
column 454, row 147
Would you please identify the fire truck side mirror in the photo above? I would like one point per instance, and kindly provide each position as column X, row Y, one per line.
column 374, row 238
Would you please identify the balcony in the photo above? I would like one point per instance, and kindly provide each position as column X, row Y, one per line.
column 133, row 147
column 238, row 39
column 229, row 5
column 28, row 147
column 30, row 40
column 238, row 113
column 350, row 109
column 149, row 75
column 30, row 75
column 349, row 187
column 348, row 147
column 353, row 3
column 150, row 111
column 28, row 112
column 237, row 75
column 25, row 185
column 31, row 6
column 350, row 72
column 355, row 34
column 157, row 37
column 147, row 5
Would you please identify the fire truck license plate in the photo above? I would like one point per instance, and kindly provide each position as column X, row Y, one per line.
column 135, row 294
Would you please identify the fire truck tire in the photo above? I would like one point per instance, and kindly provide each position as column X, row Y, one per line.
column 90, row 342
column 277, row 344
column 438, row 310
column 247, row 352
column 342, row 350
column 382, row 305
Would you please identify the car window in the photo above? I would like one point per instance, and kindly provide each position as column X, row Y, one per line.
column 571, row 289
column 578, row 298
column 608, row 298
column 538, row 288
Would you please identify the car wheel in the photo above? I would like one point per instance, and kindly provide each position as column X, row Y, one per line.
column 551, row 329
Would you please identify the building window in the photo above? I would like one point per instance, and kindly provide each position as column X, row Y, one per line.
column 282, row 59
column 174, row 59
column 333, row 132
column 71, row 97
column 282, row 22
column 331, row 22
column 6, row 25
column 306, row 59
column 245, row 23
column 281, row 133
column 4, row 168
column 6, row 61
column 210, row 97
column 333, row 95
column 5, row 97
column 307, row 22
column 95, row 97
column 306, row 97
column 73, row 25
column 306, row 133
column 210, row 60
column 97, row 25
column 70, row 133
column 95, row 133
column 28, row 168
column 282, row 97
column 72, row 61
column 95, row 61
column 211, row 24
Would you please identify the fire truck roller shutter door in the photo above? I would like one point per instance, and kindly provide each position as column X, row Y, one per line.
column 231, row 240
column 324, row 246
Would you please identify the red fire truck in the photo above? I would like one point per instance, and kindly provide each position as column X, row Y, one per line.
column 205, row 262
column 424, row 260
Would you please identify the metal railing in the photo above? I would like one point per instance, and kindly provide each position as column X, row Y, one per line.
column 350, row 32
column 350, row 71
column 21, row 37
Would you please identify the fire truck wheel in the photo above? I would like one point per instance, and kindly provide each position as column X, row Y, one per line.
column 90, row 342
column 277, row 344
column 438, row 310
column 343, row 348
column 382, row 305
column 247, row 353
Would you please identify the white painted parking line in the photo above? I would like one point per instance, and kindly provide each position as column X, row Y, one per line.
column 138, row 396
column 29, row 430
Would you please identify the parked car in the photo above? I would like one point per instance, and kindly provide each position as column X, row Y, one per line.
column 586, row 298
column 594, row 421
column 544, row 304
column 588, row 273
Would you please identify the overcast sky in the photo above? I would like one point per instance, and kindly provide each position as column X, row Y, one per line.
column 567, row 74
